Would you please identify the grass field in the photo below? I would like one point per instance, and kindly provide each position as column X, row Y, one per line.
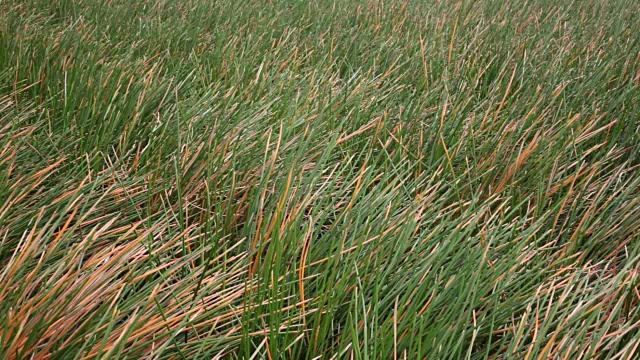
column 342, row 179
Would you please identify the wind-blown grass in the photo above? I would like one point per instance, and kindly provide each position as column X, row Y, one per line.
column 315, row 179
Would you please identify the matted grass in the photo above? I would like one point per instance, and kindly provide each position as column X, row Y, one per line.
column 319, row 179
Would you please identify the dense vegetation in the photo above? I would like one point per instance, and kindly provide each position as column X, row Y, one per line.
column 362, row 179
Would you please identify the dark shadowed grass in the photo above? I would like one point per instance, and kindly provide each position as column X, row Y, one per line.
column 319, row 180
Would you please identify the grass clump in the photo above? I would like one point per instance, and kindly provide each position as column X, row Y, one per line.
column 312, row 179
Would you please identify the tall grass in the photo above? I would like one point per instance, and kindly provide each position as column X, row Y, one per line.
column 319, row 179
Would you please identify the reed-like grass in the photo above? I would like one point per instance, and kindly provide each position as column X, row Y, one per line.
column 348, row 179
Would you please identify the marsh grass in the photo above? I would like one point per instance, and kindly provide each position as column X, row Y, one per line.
column 315, row 179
